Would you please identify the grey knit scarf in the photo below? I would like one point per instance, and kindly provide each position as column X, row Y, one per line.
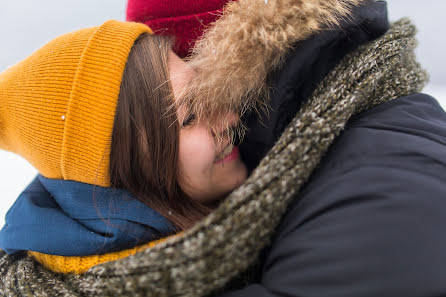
column 225, row 244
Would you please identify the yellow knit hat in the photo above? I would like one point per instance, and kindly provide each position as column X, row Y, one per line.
column 57, row 106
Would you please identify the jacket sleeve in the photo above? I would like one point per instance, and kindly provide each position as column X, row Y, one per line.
column 368, row 231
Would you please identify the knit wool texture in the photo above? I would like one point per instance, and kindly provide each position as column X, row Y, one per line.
column 184, row 19
column 80, row 264
column 221, row 247
column 57, row 106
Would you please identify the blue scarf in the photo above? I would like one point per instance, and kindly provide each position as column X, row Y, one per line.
column 69, row 218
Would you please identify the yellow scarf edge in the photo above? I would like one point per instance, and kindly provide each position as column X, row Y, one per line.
column 80, row 264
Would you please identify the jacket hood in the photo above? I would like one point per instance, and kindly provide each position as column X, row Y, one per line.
column 233, row 58
column 78, row 219
column 304, row 67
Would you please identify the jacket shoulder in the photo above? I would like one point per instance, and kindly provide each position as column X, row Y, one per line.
column 369, row 221
column 395, row 150
column 405, row 132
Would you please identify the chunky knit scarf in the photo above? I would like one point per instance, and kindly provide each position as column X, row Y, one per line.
column 223, row 246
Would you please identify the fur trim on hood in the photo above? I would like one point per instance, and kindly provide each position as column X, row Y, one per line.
column 233, row 58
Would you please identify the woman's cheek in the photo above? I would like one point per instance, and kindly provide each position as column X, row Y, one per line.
column 196, row 155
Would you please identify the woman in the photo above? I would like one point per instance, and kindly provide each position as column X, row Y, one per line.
column 327, row 211
column 166, row 158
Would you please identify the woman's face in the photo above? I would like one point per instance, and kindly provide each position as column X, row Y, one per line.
column 210, row 169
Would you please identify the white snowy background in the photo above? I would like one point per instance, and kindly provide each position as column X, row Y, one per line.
column 25, row 25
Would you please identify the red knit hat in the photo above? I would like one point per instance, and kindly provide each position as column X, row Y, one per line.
column 184, row 19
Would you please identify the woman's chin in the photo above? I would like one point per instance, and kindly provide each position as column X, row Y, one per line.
column 236, row 177
column 224, row 179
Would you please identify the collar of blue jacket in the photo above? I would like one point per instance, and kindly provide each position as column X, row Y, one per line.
column 69, row 218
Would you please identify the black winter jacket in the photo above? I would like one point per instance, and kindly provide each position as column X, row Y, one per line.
column 370, row 220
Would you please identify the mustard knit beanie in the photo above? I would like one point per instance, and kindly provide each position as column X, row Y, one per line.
column 57, row 106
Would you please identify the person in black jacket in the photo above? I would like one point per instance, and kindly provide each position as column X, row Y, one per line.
column 368, row 222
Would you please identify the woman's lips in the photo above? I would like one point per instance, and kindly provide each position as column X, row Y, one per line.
column 234, row 154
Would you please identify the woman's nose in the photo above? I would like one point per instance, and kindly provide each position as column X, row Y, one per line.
column 225, row 121
column 232, row 119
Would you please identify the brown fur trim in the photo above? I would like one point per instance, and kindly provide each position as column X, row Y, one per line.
column 250, row 39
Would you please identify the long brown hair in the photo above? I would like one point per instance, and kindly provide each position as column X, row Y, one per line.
column 145, row 139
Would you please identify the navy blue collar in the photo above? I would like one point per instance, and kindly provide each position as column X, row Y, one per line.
column 70, row 218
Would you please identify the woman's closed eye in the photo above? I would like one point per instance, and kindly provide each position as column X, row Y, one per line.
column 189, row 120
